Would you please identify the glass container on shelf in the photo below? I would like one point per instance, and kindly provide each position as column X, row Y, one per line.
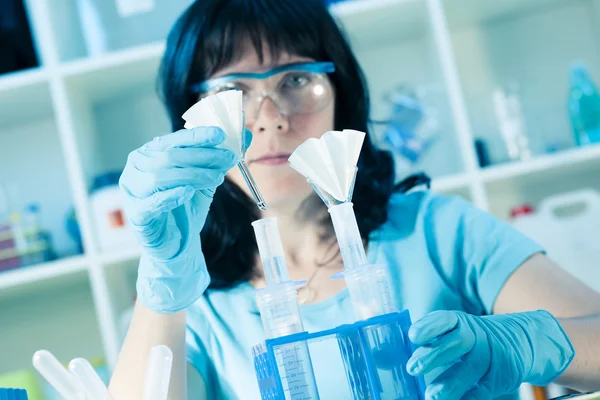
column 23, row 242
column 584, row 106
column 511, row 123
column 411, row 128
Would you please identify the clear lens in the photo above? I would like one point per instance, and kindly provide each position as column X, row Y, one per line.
column 293, row 92
column 305, row 93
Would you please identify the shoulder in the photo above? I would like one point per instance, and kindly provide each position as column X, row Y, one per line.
column 423, row 208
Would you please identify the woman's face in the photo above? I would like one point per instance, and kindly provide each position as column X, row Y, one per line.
column 276, row 136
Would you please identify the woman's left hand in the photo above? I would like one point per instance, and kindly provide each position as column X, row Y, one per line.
column 484, row 357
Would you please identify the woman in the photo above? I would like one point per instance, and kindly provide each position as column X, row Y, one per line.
column 192, row 213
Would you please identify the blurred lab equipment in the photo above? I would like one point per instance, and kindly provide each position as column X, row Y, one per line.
column 22, row 240
column 566, row 225
column 66, row 384
column 584, row 106
column 81, row 380
column 374, row 350
column 509, row 113
column 411, row 126
column 109, row 25
column 13, row 394
column 16, row 43
column 112, row 227
column 100, row 369
column 93, row 386
column 521, row 210
column 481, row 150
column 72, row 226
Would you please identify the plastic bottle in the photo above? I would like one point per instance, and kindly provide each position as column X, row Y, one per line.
column 508, row 109
column 584, row 107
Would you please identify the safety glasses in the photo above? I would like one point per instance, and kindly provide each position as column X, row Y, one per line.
column 295, row 89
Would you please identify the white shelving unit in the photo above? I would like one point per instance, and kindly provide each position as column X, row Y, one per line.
column 78, row 115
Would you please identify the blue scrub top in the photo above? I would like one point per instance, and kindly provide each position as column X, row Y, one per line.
column 442, row 253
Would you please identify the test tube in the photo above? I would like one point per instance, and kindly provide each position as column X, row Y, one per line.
column 280, row 314
column 158, row 374
column 348, row 235
column 367, row 283
column 369, row 291
column 270, row 249
column 52, row 370
column 93, row 386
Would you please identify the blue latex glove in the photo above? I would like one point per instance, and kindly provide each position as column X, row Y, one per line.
column 168, row 185
column 485, row 357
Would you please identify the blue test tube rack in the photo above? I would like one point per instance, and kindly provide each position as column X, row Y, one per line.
column 373, row 354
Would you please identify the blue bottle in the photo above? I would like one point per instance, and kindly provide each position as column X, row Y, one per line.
column 584, row 107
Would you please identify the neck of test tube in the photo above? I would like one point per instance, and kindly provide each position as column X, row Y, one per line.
column 348, row 235
column 270, row 249
column 278, row 302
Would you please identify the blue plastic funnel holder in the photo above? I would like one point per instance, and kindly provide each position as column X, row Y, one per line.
column 371, row 354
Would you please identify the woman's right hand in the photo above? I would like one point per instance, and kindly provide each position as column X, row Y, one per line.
column 168, row 186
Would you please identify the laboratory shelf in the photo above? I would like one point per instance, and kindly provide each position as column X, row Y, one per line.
column 116, row 59
column 531, row 182
column 113, row 74
column 114, row 107
column 24, row 96
column 570, row 161
column 451, row 183
column 59, row 317
column 394, row 19
column 40, row 272
column 467, row 12
column 520, row 44
column 13, row 80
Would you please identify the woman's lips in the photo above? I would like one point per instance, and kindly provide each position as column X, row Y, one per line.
column 272, row 159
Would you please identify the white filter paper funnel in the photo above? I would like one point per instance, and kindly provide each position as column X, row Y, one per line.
column 224, row 110
column 330, row 162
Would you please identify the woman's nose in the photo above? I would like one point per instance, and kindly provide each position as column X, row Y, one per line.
column 270, row 119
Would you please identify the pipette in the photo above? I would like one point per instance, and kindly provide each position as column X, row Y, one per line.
column 158, row 374
column 93, row 386
column 52, row 370
column 256, row 194
column 280, row 314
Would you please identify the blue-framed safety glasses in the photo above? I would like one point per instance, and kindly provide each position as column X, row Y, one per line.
column 295, row 89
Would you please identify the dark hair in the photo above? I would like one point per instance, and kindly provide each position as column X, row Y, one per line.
column 209, row 36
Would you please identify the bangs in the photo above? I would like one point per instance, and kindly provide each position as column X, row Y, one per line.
column 277, row 27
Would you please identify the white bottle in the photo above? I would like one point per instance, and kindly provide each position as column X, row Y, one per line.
column 112, row 227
